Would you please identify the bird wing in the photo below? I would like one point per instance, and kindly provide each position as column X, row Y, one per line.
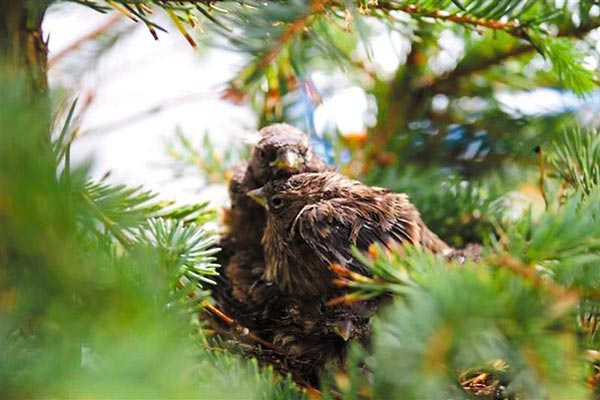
column 331, row 227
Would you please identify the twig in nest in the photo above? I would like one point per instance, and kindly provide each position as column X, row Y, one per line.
column 242, row 330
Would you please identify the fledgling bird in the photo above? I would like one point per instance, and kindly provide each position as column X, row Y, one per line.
column 281, row 152
column 312, row 221
column 242, row 291
column 314, row 218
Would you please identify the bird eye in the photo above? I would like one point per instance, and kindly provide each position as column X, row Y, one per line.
column 266, row 155
column 277, row 202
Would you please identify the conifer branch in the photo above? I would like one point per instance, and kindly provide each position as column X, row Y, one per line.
column 448, row 82
column 528, row 273
column 315, row 7
column 108, row 223
column 512, row 26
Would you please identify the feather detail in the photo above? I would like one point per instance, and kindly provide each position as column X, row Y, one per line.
column 320, row 216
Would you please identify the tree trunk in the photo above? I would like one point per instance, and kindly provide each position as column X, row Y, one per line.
column 23, row 51
column 21, row 43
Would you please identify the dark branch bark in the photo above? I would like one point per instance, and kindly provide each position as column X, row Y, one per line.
column 402, row 109
column 24, row 56
column 21, row 42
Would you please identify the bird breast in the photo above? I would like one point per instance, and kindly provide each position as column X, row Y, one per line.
column 294, row 267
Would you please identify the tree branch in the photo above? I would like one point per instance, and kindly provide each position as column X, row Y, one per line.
column 450, row 80
column 315, row 7
column 512, row 27
column 85, row 38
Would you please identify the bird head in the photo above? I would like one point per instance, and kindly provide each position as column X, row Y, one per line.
column 284, row 199
column 281, row 151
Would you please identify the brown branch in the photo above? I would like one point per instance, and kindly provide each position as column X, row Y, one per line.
column 242, row 330
column 93, row 34
column 450, row 80
column 315, row 7
column 398, row 108
column 448, row 83
column 565, row 298
column 319, row 7
column 512, row 27
column 223, row 317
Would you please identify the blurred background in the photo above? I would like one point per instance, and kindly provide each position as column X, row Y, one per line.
column 486, row 112
column 136, row 93
column 437, row 99
column 139, row 93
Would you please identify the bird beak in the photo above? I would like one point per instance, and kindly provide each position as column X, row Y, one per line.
column 344, row 329
column 258, row 196
column 287, row 160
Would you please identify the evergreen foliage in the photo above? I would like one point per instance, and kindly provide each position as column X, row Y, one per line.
column 103, row 288
column 102, row 284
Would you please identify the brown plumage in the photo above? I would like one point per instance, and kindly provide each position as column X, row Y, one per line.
column 314, row 218
column 242, row 291
column 311, row 221
column 282, row 151
column 313, row 334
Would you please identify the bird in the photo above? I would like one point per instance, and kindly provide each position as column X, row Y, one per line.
column 308, row 333
column 242, row 291
column 291, row 216
column 313, row 220
column 280, row 152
